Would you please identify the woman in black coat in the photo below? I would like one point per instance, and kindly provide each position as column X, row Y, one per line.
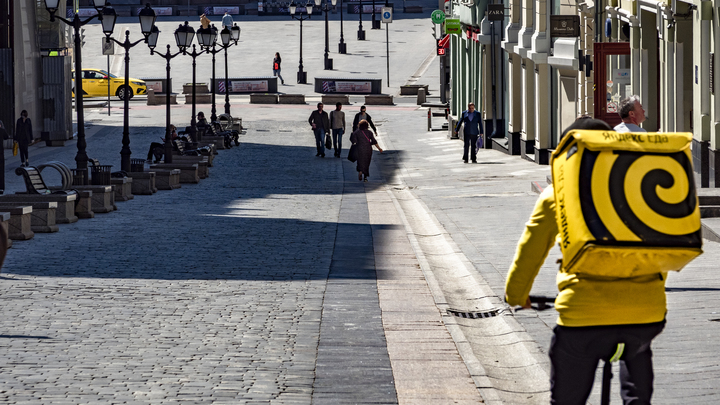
column 362, row 115
column 23, row 136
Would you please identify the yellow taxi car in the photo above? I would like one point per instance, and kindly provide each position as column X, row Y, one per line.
column 96, row 81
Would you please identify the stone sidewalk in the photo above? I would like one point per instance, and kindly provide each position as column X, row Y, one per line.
column 482, row 209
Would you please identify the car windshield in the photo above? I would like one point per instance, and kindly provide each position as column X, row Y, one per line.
column 108, row 74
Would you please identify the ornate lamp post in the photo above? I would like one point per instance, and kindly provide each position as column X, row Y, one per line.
column 147, row 20
column 342, row 46
column 51, row 6
column 202, row 35
column 183, row 39
column 301, row 76
column 322, row 4
column 361, row 31
column 225, row 36
column 212, row 49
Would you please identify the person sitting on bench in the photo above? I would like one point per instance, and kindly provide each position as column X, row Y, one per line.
column 158, row 149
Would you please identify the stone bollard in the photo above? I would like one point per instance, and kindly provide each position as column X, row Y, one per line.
column 421, row 96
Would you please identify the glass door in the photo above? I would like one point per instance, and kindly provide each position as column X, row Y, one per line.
column 612, row 79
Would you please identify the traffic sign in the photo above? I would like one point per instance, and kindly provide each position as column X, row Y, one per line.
column 437, row 16
column 386, row 15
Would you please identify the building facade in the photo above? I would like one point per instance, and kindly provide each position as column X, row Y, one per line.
column 35, row 68
column 665, row 52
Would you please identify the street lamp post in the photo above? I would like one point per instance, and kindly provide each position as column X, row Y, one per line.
column 194, row 54
column 81, row 158
column 361, row 31
column 183, row 39
column 324, row 6
column 147, row 19
column 125, row 151
column 225, row 36
column 342, row 46
column 301, row 76
column 211, row 48
column 375, row 22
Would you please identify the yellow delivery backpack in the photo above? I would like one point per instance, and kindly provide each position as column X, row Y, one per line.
column 625, row 203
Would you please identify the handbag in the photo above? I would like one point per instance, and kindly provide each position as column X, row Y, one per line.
column 479, row 144
column 352, row 153
column 15, row 148
column 328, row 142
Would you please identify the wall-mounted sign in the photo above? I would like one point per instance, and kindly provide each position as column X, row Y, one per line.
column 564, row 26
column 453, row 26
column 495, row 12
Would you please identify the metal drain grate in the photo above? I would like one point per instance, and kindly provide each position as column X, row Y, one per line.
column 475, row 315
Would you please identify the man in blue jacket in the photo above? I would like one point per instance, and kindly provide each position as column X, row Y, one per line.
column 473, row 129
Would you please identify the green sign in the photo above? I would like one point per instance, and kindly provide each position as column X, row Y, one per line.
column 453, row 26
column 437, row 16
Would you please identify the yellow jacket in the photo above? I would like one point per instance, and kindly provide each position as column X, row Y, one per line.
column 583, row 300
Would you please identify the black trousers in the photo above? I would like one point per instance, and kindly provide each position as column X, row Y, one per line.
column 470, row 143
column 23, row 148
column 151, row 151
column 575, row 353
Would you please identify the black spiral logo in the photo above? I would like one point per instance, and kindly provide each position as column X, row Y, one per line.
column 639, row 198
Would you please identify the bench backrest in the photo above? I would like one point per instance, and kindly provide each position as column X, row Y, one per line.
column 33, row 180
column 180, row 145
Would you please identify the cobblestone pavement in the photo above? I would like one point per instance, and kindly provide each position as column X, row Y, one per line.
column 255, row 286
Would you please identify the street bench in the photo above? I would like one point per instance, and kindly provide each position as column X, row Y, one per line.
column 100, row 198
column 412, row 89
column 291, row 99
column 188, row 171
column 160, row 98
column 333, row 99
column 19, row 226
column 42, row 216
column 379, row 99
column 263, row 99
column 38, row 192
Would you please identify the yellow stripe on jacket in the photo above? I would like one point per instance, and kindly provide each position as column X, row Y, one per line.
column 583, row 300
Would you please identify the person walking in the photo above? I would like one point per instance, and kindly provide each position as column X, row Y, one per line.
column 363, row 115
column 364, row 141
column 227, row 20
column 337, row 123
column 23, row 136
column 473, row 129
column 320, row 124
column 632, row 114
column 276, row 67
column 596, row 314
